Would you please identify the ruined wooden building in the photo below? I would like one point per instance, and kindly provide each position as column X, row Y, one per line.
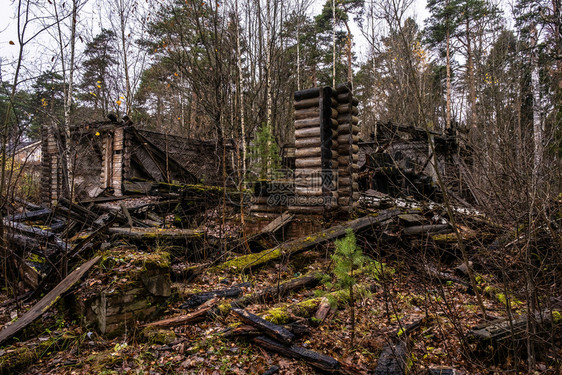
column 330, row 165
column 110, row 154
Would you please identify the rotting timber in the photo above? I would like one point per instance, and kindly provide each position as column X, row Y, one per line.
column 168, row 255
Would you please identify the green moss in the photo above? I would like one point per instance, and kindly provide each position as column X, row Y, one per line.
column 18, row 358
column 225, row 308
column 245, row 262
column 277, row 315
column 556, row 317
column 307, row 308
column 448, row 237
column 36, row 258
column 156, row 261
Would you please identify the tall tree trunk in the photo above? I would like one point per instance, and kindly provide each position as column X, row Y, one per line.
column 471, row 83
column 69, row 146
column 240, row 91
column 122, row 14
column 269, row 98
column 537, row 121
column 66, row 153
column 448, row 99
column 298, row 57
column 348, row 47
column 333, row 43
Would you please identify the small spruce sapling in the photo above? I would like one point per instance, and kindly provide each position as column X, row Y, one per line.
column 348, row 258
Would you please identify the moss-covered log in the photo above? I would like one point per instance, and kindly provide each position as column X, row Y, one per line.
column 282, row 290
column 17, row 359
column 246, row 262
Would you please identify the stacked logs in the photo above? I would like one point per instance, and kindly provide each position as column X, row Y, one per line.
column 347, row 139
column 316, row 160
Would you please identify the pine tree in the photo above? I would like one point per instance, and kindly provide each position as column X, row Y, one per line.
column 348, row 258
column 439, row 27
column 98, row 80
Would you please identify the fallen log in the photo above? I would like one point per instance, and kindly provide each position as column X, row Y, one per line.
column 199, row 298
column 272, row 330
column 394, row 357
column 498, row 331
column 280, row 291
column 46, row 302
column 197, row 316
column 299, row 330
column 421, row 229
column 315, row 359
column 320, row 361
column 151, row 233
column 245, row 262
column 30, row 215
column 36, row 232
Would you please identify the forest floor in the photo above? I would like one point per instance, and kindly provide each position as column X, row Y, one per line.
column 392, row 295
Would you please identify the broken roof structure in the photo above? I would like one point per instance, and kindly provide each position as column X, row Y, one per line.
column 110, row 153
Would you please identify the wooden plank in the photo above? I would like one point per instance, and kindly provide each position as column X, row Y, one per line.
column 411, row 219
column 30, row 215
column 36, row 232
column 283, row 219
column 198, row 315
column 272, row 330
column 153, row 233
column 46, row 302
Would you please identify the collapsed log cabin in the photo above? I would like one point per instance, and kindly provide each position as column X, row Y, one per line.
column 398, row 160
column 108, row 153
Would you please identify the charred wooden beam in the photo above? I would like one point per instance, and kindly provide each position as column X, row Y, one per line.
column 197, row 299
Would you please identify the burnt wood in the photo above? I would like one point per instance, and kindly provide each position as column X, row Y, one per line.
column 268, row 328
column 199, row 298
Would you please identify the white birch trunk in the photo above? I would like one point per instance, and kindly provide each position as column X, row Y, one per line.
column 537, row 121
column 334, row 43
column 268, row 32
column 240, row 92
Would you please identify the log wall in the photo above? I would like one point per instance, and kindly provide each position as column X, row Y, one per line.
column 348, row 149
column 326, row 143
column 50, row 168
column 315, row 165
